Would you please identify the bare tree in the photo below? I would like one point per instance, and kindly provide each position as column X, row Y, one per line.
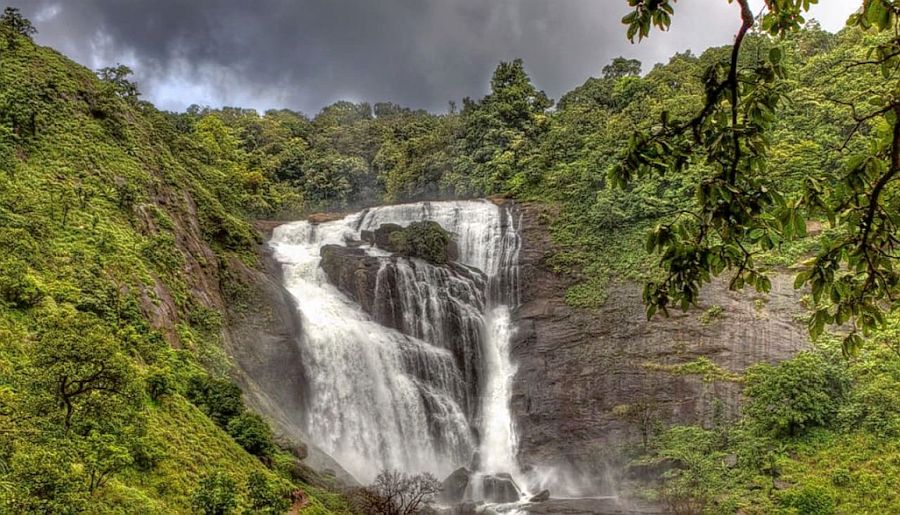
column 396, row 493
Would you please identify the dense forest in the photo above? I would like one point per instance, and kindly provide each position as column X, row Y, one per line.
column 110, row 208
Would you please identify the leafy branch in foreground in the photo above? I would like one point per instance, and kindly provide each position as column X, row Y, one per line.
column 738, row 210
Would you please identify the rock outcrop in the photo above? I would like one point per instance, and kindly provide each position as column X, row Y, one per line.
column 453, row 488
column 464, row 485
column 543, row 495
column 580, row 370
column 500, row 488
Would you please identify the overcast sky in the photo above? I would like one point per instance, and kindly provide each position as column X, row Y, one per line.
column 305, row 54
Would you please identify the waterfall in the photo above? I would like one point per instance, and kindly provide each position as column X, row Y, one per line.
column 417, row 377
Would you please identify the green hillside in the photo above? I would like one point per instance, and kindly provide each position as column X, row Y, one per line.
column 123, row 231
column 117, row 231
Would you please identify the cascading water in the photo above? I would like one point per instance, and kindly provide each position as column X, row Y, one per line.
column 418, row 379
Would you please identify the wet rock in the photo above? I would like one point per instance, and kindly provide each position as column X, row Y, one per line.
column 476, row 461
column 500, row 488
column 544, row 495
column 353, row 272
column 453, row 489
column 440, row 304
column 382, row 236
column 320, row 218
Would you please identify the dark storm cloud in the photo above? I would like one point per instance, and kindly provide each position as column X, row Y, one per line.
column 305, row 54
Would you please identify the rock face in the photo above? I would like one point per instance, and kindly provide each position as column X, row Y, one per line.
column 575, row 367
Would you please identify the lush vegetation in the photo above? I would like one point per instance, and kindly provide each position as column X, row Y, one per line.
column 120, row 228
column 124, row 229
column 818, row 435
column 426, row 240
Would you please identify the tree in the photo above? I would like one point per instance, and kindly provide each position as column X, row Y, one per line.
column 500, row 133
column 78, row 364
column 644, row 414
column 266, row 496
column 220, row 399
column 621, row 67
column 252, row 433
column 117, row 78
column 16, row 24
column 738, row 212
column 794, row 395
column 216, row 495
column 396, row 493
column 103, row 456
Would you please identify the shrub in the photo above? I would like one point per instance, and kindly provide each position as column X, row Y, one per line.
column 252, row 433
column 160, row 383
column 874, row 402
column 19, row 286
column 220, row 399
column 267, row 496
column 794, row 395
column 699, row 474
column 808, row 500
column 215, row 495
column 43, row 483
column 425, row 240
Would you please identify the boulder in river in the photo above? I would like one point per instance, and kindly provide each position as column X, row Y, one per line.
column 500, row 488
column 544, row 495
column 453, row 489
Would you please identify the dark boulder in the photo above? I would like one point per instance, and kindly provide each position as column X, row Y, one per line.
column 381, row 237
column 541, row 497
column 453, row 489
column 352, row 271
column 501, row 488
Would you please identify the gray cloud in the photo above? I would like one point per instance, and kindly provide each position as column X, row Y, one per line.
column 305, row 54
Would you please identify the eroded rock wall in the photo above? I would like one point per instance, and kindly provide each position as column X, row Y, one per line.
column 576, row 366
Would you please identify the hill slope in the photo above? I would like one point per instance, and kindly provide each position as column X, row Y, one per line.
column 119, row 233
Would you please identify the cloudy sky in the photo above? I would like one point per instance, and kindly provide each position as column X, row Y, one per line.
column 305, row 54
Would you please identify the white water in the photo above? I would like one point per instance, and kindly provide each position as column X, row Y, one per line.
column 498, row 441
column 409, row 398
